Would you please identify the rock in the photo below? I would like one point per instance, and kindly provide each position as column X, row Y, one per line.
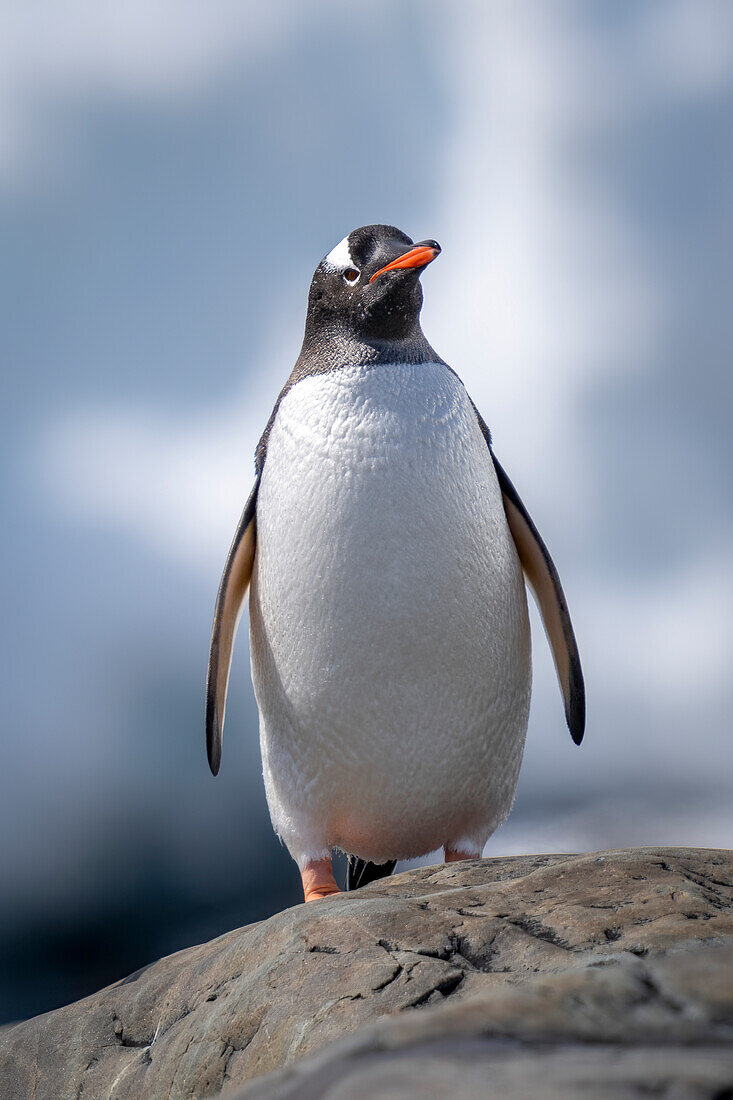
column 608, row 974
column 621, row 1027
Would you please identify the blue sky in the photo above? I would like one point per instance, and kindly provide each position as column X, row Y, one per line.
column 170, row 174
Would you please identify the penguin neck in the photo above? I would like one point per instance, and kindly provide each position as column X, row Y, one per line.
column 329, row 348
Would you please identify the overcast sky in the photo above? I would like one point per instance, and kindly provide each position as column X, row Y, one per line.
column 170, row 175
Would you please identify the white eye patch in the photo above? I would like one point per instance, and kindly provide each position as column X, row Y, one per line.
column 340, row 257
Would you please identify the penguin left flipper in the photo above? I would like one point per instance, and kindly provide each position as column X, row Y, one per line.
column 229, row 603
column 542, row 577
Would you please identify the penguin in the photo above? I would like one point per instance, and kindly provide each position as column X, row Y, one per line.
column 386, row 553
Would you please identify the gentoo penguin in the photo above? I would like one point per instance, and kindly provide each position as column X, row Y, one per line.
column 386, row 552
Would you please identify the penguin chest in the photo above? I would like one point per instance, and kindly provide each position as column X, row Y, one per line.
column 389, row 632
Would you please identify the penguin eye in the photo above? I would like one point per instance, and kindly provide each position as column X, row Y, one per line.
column 351, row 274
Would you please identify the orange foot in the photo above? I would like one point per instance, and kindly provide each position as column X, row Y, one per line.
column 452, row 855
column 318, row 880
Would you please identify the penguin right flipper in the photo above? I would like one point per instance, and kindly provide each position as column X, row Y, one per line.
column 229, row 603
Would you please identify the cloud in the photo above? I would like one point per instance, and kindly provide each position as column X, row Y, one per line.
column 526, row 302
column 544, row 294
column 54, row 58
column 175, row 485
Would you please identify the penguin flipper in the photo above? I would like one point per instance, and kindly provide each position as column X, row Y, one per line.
column 229, row 603
column 359, row 872
column 542, row 577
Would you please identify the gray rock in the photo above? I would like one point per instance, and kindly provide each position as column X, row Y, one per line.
column 620, row 1027
column 597, row 975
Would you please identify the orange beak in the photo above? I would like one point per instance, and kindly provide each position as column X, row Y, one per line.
column 419, row 256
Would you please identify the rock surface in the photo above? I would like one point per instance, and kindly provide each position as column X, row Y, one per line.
column 619, row 1028
column 607, row 975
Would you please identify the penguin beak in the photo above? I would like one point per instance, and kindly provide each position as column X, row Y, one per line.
column 420, row 256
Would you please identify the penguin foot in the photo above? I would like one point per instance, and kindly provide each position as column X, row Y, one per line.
column 318, row 880
column 453, row 855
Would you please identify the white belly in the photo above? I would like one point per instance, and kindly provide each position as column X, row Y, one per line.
column 388, row 618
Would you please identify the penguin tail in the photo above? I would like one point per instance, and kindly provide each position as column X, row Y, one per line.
column 359, row 871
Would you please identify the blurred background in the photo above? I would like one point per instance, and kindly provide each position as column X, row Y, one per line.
column 170, row 175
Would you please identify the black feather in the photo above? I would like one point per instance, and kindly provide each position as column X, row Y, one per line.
column 359, row 871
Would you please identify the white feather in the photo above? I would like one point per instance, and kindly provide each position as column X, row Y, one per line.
column 388, row 626
column 340, row 256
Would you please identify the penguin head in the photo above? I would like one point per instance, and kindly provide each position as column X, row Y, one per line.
column 368, row 286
